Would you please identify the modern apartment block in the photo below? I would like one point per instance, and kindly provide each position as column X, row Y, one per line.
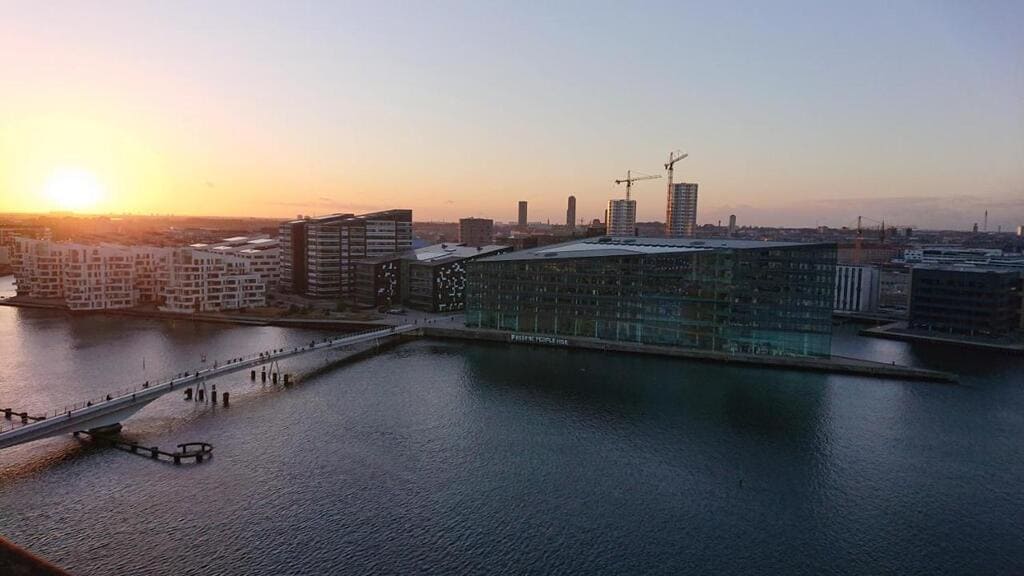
column 857, row 288
column 476, row 231
column 681, row 212
column 522, row 215
column 620, row 218
column 968, row 300
column 570, row 213
column 292, row 238
column 262, row 252
column 202, row 281
column 108, row 276
column 319, row 255
column 730, row 296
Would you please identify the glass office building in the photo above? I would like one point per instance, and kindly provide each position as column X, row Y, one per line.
column 731, row 296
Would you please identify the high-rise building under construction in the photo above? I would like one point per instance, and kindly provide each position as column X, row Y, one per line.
column 681, row 213
column 620, row 218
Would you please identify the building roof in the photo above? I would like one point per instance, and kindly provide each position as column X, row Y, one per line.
column 972, row 268
column 436, row 254
column 442, row 253
column 634, row 246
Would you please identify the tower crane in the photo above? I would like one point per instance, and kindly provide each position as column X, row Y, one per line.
column 629, row 179
column 673, row 157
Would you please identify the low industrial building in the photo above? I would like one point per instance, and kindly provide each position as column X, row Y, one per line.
column 966, row 300
column 729, row 296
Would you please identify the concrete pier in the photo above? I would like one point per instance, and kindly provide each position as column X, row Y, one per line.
column 834, row 364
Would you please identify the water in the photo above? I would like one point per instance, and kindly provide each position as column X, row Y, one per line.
column 445, row 458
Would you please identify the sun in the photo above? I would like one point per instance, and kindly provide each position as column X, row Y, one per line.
column 73, row 189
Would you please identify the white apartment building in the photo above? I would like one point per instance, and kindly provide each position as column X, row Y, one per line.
column 681, row 211
column 202, row 281
column 262, row 252
column 98, row 277
column 38, row 266
column 857, row 288
column 107, row 276
column 620, row 218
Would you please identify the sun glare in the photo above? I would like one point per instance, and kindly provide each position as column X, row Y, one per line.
column 73, row 189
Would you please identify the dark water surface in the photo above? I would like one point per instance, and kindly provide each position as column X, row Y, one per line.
column 447, row 458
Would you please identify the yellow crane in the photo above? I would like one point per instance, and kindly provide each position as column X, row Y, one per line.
column 629, row 179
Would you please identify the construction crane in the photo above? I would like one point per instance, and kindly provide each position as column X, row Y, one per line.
column 673, row 157
column 629, row 179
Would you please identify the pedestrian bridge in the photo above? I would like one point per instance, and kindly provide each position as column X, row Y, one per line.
column 114, row 409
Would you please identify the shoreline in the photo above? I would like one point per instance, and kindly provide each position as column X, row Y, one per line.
column 831, row 365
column 313, row 323
column 889, row 332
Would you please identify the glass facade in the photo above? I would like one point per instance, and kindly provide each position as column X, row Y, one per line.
column 773, row 300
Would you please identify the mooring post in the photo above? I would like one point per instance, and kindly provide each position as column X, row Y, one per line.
column 226, row 396
column 252, row 375
column 202, row 395
column 154, row 453
column 7, row 413
column 188, row 393
column 286, row 378
column 177, row 458
column 274, row 377
column 213, row 394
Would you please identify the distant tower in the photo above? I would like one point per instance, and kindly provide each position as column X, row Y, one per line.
column 975, row 229
column 570, row 213
column 985, row 228
column 522, row 214
column 681, row 214
column 620, row 218
column 732, row 225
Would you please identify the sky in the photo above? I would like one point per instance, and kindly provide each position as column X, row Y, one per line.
column 793, row 113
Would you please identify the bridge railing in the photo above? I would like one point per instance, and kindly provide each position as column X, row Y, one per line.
column 210, row 370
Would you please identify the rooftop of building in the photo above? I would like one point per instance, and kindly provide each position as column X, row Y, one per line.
column 399, row 214
column 972, row 268
column 632, row 246
column 438, row 253
column 442, row 253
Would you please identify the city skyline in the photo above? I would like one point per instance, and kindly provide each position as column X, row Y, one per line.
column 799, row 115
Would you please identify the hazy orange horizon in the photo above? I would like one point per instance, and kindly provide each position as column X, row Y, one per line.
column 897, row 114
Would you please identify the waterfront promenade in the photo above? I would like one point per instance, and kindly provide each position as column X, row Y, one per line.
column 452, row 326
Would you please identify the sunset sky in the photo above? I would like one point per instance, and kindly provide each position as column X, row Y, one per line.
column 793, row 113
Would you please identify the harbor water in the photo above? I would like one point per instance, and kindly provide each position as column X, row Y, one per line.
column 437, row 457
